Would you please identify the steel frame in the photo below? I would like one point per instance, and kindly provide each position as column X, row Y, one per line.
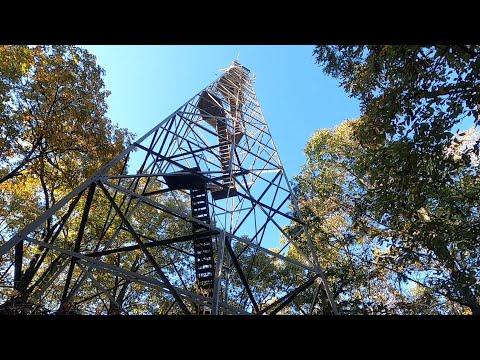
column 242, row 226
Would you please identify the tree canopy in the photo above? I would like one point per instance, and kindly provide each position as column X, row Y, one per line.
column 404, row 177
column 54, row 133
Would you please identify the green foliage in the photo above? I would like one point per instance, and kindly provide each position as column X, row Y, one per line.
column 53, row 112
column 415, row 188
column 53, row 128
column 54, row 134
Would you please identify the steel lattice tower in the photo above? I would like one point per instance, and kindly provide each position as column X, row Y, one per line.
column 211, row 168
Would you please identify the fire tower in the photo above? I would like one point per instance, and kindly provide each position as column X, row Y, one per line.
column 212, row 172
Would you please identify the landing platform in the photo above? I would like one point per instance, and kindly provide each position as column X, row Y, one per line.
column 184, row 180
column 224, row 193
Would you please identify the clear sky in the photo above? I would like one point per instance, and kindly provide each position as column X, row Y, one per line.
column 150, row 82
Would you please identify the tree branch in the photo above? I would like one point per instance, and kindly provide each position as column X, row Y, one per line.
column 28, row 158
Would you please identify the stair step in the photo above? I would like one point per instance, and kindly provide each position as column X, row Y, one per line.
column 206, row 281
column 205, row 275
column 201, row 218
column 198, row 197
column 201, row 211
column 200, row 214
column 203, row 253
column 202, row 242
column 204, row 264
column 199, row 203
column 200, row 206
column 207, row 261
column 205, row 270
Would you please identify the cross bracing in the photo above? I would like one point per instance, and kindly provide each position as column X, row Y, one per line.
column 211, row 172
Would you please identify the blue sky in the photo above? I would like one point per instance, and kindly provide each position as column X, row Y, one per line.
column 150, row 82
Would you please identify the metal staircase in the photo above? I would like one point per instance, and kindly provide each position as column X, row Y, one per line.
column 203, row 245
column 228, row 189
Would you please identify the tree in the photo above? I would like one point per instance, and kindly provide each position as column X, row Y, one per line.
column 53, row 103
column 54, row 133
column 420, row 185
